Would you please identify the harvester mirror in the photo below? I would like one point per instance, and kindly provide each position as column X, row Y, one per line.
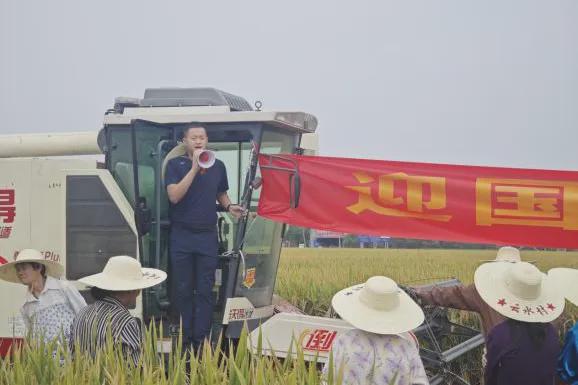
column 288, row 165
column 295, row 185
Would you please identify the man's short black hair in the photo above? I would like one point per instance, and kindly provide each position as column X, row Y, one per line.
column 187, row 128
column 98, row 293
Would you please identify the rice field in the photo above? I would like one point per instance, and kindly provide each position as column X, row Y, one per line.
column 308, row 278
column 48, row 364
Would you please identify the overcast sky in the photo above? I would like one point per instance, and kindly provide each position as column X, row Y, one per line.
column 487, row 82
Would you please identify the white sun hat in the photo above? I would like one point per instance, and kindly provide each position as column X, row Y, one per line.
column 519, row 291
column 567, row 281
column 378, row 306
column 124, row 273
column 506, row 254
column 8, row 270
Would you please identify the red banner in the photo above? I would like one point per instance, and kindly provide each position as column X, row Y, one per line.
column 492, row 205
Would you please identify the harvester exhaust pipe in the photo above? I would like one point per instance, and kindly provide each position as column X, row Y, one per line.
column 49, row 144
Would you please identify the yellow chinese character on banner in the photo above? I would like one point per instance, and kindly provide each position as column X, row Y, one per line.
column 527, row 203
column 392, row 202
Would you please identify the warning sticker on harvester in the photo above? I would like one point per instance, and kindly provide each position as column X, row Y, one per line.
column 249, row 280
column 317, row 340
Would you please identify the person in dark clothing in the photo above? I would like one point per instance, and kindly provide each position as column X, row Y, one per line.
column 193, row 192
column 521, row 353
column 523, row 349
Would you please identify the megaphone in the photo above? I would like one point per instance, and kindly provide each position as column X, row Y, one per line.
column 206, row 159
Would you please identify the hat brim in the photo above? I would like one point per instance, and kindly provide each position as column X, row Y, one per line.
column 505, row 260
column 567, row 281
column 490, row 283
column 8, row 270
column 151, row 277
column 404, row 318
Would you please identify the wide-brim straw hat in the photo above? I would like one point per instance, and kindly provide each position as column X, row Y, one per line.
column 506, row 254
column 123, row 273
column 378, row 306
column 8, row 270
column 567, row 281
column 519, row 291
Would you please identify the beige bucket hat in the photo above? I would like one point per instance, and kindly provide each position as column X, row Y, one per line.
column 567, row 281
column 8, row 270
column 519, row 291
column 378, row 306
column 124, row 273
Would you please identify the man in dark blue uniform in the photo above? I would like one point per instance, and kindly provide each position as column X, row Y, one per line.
column 193, row 192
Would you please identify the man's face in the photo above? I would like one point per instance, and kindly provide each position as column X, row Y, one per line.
column 195, row 139
column 133, row 294
column 27, row 274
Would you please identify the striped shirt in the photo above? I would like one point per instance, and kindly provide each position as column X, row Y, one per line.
column 90, row 326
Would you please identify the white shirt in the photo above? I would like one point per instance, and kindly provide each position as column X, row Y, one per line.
column 51, row 314
column 375, row 359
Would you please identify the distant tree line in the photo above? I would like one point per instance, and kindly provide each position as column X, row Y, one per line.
column 295, row 236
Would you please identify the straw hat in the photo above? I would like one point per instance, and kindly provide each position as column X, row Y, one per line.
column 124, row 273
column 567, row 281
column 506, row 254
column 519, row 291
column 378, row 306
column 8, row 270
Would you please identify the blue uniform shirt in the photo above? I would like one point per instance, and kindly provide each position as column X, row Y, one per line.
column 197, row 210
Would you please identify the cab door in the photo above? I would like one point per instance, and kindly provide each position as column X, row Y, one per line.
column 134, row 158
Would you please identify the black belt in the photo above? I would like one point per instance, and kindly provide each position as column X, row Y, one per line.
column 196, row 227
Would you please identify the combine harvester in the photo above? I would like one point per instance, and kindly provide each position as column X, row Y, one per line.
column 80, row 211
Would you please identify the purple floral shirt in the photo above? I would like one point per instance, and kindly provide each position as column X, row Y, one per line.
column 375, row 359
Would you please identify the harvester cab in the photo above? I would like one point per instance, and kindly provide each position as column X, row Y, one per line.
column 138, row 138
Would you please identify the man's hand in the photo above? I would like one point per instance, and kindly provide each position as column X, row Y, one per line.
column 177, row 191
column 196, row 155
column 237, row 211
